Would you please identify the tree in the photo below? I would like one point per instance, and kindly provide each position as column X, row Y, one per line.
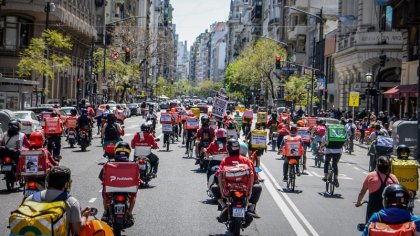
column 45, row 55
column 254, row 67
column 296, row 89
column 209, row 88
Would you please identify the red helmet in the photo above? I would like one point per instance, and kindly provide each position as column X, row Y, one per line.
column 221, row 133
column 300, row 123
column 36, row 140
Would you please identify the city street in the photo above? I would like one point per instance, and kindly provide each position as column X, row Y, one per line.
column 177, row 204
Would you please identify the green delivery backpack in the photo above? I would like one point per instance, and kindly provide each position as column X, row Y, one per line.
column 336, row 136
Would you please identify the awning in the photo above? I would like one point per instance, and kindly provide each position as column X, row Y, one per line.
column 402, row 91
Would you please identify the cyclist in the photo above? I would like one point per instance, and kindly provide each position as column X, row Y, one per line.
column 318, row 134
column 395, row 201
column 272, row 126
column 375, row 182
column 350, row 132
column 333, row 150
column 218, row 146
column 205, row 136
column 293, row 135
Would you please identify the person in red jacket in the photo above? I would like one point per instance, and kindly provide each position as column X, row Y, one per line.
column 145, row 138
column 217, row 149
column 234, row 158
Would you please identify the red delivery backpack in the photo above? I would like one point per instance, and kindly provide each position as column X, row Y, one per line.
column 382, row 229
column 293, row 147
column 121, row 177
column 53, row 126
column 236, row 178
column 33, row 163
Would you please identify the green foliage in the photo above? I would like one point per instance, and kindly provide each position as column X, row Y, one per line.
column 183, row 87
column 208, row 88
column 296, row 90
column 254, row 67
column 34, row 59
column 164, row 88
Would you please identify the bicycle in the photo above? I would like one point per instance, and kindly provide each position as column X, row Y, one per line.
column 318, row 156
column 191, row 142
column 330, row 184
column 291, row 180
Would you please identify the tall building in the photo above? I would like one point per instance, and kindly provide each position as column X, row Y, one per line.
column 182, row 60
column 365, row 35
column 218, row 32
column 24, row 21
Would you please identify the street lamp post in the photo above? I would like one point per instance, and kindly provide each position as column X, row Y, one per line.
column 368, row 77
column 50, row 7
column 308, row 88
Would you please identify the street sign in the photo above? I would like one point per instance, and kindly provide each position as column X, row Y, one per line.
column 115, row 55
column 354, row 99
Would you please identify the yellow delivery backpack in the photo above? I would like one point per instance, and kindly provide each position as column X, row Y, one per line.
column 261, row 117
column 196, row 111
column 259, row 139
column 40, row 218
column 406, row 172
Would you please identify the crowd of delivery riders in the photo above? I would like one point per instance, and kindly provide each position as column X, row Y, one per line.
column 226, row 146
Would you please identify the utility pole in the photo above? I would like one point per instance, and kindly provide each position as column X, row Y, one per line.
column 313, row 77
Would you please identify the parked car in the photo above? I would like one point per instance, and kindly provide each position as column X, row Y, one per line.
column 28, row 120
column 39, row 110
column 134, row 109
column 127, row 112
column 67, row 111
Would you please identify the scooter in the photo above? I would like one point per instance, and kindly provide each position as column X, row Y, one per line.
column 83, row 139
column 141, row 154
column 95, row 226
column 71, row 137
column 8, row 166
column 117, row 212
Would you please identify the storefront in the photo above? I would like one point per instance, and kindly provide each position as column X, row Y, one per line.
column 16, row 94
column 405, row 97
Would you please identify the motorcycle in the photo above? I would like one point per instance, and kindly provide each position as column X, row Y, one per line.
column 167, row 130
column 8, row 166
column 117, row 212
column 203, row 162
column 83, row 139
column 141, row 154
column 212, row 179
column 274, row 138
column 109, row 151
column 71, row 137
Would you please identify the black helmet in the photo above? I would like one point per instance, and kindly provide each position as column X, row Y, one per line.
column 320, row 121
column 122, row 151
column 377, row 127
column 274, row 116
column 233, row 146
column 205, row 120
column 403, row 151
column 107, row 107
column 145, row 127
column 395, row 195
column 54, row 113
column 14, row 125
column 73, row 111
column 111, row 117
column 293, row 128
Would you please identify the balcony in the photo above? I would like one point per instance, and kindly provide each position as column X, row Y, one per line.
column 301, row 4
column 297, row 30
column 373, row 40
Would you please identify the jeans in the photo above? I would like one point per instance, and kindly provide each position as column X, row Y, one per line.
column 57, row 147
column 154, row 162
column 255, row 195
column 189, row 137
column 211, row 164
column 314, row 144
column 335, row 159
column 286, row 166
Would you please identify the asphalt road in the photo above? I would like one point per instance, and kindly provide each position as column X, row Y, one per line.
column 177, row 203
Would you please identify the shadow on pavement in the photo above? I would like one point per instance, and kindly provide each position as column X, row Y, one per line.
column 87, row 150
column 199, row 171
column 210, row 202
column 327, row 195
column 286, row 190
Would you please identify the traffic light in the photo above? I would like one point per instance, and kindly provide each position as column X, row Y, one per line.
column 278, row 59
column 382, row 60
column 127, row 55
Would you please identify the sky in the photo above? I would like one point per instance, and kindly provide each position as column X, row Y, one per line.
column 193, row 17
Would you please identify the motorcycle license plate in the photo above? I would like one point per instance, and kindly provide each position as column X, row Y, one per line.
column 71, row 136
column 142, row 166
column 238, row 212
column 6, row 168
column 29, row 193
column 119, row 209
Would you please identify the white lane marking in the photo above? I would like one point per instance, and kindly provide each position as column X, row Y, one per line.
column 366, row 173
column 308, row 174
column 128, row 134
column 293, row 221
column 160, row 136
column 292, row 205
column 343, row 176
column 100, row 190
column 92, row 200
column 316, row 174
column 356, row 168
column 349, row 164
column 132, row 126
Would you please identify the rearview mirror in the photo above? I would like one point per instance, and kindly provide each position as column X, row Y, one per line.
column 93, row 211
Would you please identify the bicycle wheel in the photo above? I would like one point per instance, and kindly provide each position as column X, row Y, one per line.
column 328, row 182
column 292, row 177
column 332, row 183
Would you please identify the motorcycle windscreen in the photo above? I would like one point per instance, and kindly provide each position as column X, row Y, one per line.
column 121, row 177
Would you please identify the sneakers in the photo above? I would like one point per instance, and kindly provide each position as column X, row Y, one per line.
column 186, row 152
column 197, row 162
column 324, row 179
column 253, row 214
column 298, row 173
column 104, row 217
column 223, row 215
column 285, row 179
column 336, row 183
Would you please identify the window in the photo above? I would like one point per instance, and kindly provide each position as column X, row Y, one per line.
column 14, row 33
